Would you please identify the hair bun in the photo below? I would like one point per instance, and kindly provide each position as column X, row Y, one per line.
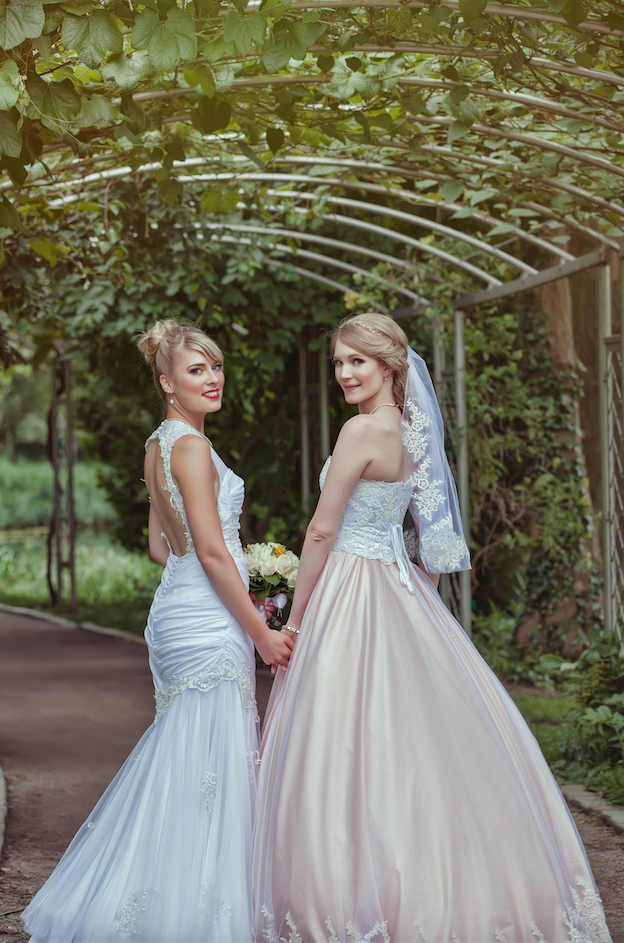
column 150, row 341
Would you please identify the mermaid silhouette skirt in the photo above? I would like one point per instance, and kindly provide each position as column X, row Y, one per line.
column 165, row 855
column 401, row 795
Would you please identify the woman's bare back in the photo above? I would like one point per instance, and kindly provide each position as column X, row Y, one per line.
column 160, row 494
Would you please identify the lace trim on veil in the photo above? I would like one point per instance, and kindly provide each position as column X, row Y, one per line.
column 584, row 919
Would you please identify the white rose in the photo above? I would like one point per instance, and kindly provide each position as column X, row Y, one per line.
column 284, row 564
column 253, row 558
column 267, row 561
column 291, row 579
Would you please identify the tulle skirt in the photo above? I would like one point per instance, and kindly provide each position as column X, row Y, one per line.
column 401, row 795
column 165, row 856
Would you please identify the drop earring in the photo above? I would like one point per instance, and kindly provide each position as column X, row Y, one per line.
column 171, row 400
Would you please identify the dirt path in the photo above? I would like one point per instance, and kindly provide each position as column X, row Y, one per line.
column 72, row 706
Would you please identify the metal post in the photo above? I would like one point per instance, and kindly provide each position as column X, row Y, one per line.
column 323, row 403
column 55, row 549
column 304, row 425
column 438, row 355
column 462, row 464
column 603, row 281
column 70, row 510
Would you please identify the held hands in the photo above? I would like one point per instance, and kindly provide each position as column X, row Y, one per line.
column 275, row 649
column 289, row 632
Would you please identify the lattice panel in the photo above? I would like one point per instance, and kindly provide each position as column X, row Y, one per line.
column 614, row 510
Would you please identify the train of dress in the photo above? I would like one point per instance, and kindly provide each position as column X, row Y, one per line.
column 402, row 796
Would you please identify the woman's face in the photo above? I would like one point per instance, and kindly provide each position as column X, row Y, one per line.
column 362, row 378
column 196, row 381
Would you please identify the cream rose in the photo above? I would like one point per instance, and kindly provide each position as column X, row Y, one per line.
column 285, row 563
column 267, row 561
column 253, row 558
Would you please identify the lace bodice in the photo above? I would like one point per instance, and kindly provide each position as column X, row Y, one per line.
column 231, row 487
column 372, row 523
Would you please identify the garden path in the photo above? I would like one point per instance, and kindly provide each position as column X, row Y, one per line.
column 72, row 706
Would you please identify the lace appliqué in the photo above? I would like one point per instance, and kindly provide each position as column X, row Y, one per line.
column 253, row 762
column 209, row 791
column 128, row 914
column 210, row 906
column 442, row 547
column 271, row 935
column 232, row 540
column 373, row 508
column 224, row 670
column 586, row 915
column 428, row 493
column 373, row 511
column 584, row 919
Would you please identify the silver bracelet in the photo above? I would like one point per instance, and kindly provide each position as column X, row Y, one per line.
column 289, row 628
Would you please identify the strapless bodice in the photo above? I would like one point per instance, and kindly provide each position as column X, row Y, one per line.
column 231, row 487
column 372, row 523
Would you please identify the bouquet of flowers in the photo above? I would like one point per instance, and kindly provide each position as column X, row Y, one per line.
column 272, row 578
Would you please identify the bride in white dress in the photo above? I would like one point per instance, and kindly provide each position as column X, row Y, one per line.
column 401, row 796
column 165, row 856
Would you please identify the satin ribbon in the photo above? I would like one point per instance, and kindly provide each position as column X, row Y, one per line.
column 402, row 559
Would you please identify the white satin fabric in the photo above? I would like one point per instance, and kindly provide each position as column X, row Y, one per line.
column 165, row 856
column 402, row 796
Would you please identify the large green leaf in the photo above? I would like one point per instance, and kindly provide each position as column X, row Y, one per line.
column 218, row 201
column 9, row 217
column 287, row 42
column 275, row 139
column 471, row 9
column 8, row 93
column 200, row 77
column 211, row 115
column 10, row 137
column 345, row 83
column 244, row 32
column 92, row 37
column 56, row 103
column 166, row 42
column 128, row 70
column 20, row 20
column 97, row 111
column 575, row 12
column 48, row 250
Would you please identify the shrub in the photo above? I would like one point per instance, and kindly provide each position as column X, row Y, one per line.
column 593, row 745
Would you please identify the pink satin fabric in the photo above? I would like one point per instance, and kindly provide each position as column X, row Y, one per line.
column 402, row 796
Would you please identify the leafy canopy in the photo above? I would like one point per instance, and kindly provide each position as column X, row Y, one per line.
column 513, row 111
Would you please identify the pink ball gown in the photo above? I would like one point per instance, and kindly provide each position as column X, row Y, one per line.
column 402, row 796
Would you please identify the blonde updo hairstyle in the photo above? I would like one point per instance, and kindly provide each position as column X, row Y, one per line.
column 377, row 335
column 161, row 343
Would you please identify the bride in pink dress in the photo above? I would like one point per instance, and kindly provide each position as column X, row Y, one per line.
column 402, row 796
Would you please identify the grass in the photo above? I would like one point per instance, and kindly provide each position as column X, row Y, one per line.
column 27, row 492
column 544, row 716
column 114, row 587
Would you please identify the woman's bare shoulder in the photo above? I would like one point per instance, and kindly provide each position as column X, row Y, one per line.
column 192, row 452
column 358, row 425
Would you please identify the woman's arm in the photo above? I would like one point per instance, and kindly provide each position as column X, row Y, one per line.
column 350, row 458
column 193, row 471
column 158, row 547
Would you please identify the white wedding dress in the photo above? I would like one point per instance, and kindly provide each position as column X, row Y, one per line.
column 165, row 856
column 402, row 796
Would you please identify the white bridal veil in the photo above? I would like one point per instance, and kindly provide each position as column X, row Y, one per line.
column 434, row 504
